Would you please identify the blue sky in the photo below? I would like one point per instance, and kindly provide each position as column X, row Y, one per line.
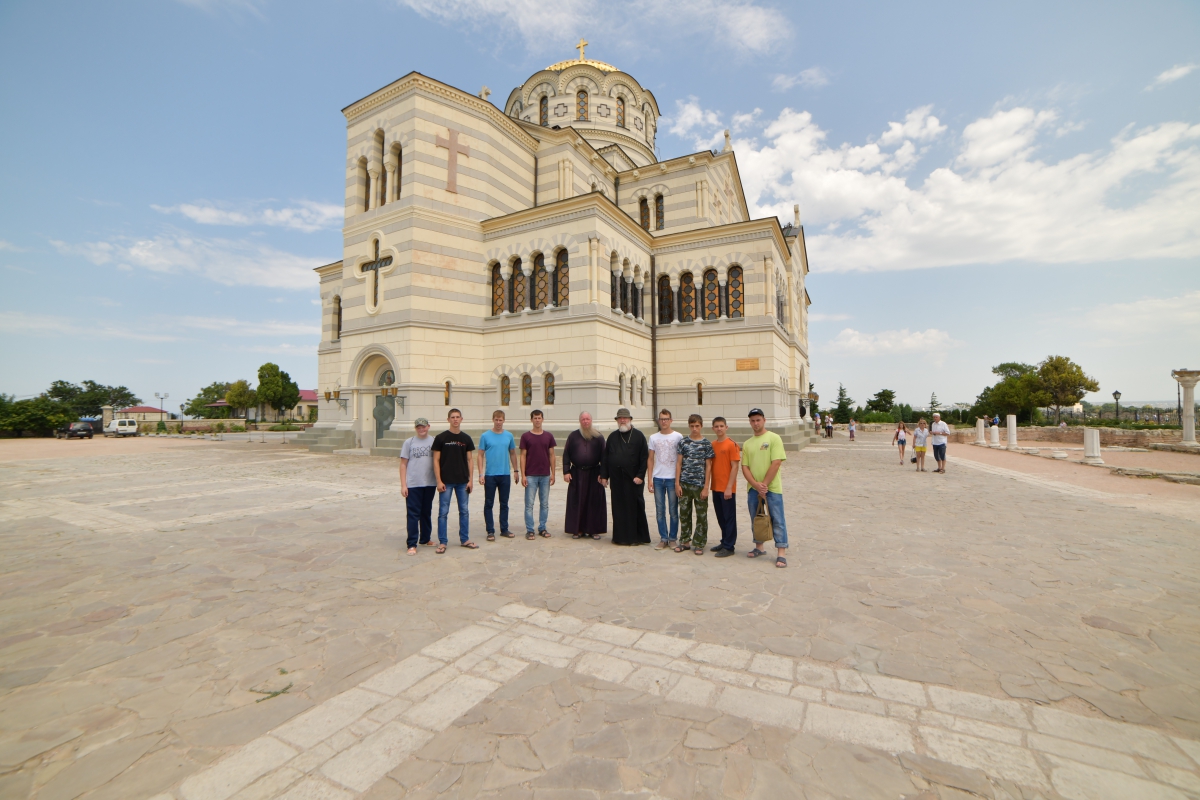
column 977, row 184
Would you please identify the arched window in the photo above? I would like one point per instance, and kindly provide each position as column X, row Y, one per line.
column 526, row 390
column 505, row 390
column 364, row 184
column 626, row 286
column 699, row 394
column 735, row 293
column 643, row 400
column 644, row 213
column 687, row 298
column 544, row 111
column 620, row 112
column 666, row 301
column 516, row 289
column 541, row 282
column 562, row 280
column 621, row 389
column 614, row 291
column 779, row 309
column 497, row 291
column 446, row 393
column 660, row 215
column 548, row 388
column 712, row 295
column 337, row 316
column 383, row 185
column 398, row 155
column 581, row 104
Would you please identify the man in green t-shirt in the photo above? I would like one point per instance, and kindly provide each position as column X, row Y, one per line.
column 762, row 456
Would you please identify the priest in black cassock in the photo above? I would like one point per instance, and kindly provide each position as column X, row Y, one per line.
column 623, row 471
column 587, row 512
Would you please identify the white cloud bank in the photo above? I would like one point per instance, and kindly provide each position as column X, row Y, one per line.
column 229, row 262
column 1171, row 75
column 1148, row 318
column 995, row 200
column 305, row 216
column 885, row 343
column 811, row 78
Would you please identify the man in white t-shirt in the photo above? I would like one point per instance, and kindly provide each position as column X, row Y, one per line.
column 664, row 451
column 938, row 433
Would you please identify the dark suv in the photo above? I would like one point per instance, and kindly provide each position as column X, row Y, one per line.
column 76, row 430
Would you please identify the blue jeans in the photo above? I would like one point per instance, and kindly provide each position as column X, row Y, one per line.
column 464, row 516
column 539, row 485
column 775, row 509
column 420, row 508
column 492, row 484
column 939, row 452
column 664, row 500
column 726, row 511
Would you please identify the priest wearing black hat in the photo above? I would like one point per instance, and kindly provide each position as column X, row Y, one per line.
column 623, row 472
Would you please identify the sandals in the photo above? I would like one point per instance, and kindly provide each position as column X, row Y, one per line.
column 679, row 548
column 596, row 536
column 544, row 534
column 698, row 551
column 441, row 548
column 412, row 551
column 508, row 534
column 529, row 535
column 491, row 537
column 469, row 545
column 576, row 535
column 755, row 553
column 780, row 562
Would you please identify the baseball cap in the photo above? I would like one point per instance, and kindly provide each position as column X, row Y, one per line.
column 756, row 412
column 419, row 421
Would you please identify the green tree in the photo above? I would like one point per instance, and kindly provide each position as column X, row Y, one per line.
column 844, row 409
column 883, row 401
column 241, row 396
column 39, row 415
column 933, row 403
column 276, row 388
column 1064, row 383
column 197, row 406
column 86, row 400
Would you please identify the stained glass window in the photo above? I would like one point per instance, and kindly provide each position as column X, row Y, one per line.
column 621, row 112
column 446, row 393
column 548, row 388
column 625, row 287
column 497, row 291
column 526, row 390
column 660, row 216
column 541, row 282
column 666, row 301
column 644, row 213
column 563, row 274
column 687, row 298
column 581, row 105
column 516, row 289
column 736, row 299
column 614, row 292
column 544, row 112
column 712, row 295
column 505, row 390
column 699, row 394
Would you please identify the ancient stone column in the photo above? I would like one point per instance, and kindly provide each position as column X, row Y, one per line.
column 1187, row 379
column 994, row 436
column 980, row 435
column 1011, row 426
column 1091, row 446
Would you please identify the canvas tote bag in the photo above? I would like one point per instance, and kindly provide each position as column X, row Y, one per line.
column 762, row 523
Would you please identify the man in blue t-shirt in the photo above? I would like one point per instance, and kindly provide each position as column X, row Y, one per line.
column 497, row 471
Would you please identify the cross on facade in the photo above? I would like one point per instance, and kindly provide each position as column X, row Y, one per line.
column 582, row 44
column 455, row 149
column 484, row 93
column 373, row 267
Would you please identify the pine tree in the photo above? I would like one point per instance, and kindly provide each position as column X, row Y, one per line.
column 844, row 408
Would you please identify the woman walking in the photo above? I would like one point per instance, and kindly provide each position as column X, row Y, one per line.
column 829, row 426
column 919, row 437
column 852, row 426
column 900, row 438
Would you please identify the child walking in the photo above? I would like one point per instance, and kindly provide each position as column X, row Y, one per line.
column 900, row 438
column 919, row 437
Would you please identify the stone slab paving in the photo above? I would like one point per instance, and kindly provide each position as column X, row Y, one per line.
column 242, row 619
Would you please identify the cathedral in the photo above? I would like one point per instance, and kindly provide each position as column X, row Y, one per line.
column 540, row 255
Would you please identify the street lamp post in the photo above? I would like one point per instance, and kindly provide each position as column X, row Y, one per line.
column 1117, row 400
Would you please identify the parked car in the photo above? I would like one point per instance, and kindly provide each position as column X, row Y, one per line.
column 121, row 427
column 76, row 430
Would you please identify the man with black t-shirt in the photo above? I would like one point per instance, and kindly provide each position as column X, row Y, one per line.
column 452, row 469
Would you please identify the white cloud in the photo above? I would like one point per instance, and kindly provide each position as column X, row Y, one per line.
column 743, row 121
column 1171, row 75
column 305, row 216
column 229, row 262
column 811, row 78
column 689, row 116
column 1149, row 319
column 885, row 343
column 745, row 26
column 20, row 323
column 10, row 247
column 994, row 201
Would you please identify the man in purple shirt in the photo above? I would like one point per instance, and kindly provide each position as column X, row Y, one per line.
column 537, row 473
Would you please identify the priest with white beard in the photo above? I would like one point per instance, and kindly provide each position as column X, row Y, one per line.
column 623, row 472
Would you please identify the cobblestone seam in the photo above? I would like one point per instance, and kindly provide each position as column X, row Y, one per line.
column 340, row 748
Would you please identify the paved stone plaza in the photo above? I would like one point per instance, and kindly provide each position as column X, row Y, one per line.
column 205, row 621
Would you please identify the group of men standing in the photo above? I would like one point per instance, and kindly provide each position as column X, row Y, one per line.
column 684, row 472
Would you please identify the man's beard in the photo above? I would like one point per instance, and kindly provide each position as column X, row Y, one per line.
column 625, row 427
column 587, row 433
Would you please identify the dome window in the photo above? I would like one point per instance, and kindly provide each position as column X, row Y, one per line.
column 581, row 105
column 620, row 112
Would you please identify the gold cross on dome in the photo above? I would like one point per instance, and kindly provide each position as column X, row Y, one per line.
column 582, row 44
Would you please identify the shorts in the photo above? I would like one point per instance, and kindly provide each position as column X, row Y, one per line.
column 939, row 452
column 918, row 448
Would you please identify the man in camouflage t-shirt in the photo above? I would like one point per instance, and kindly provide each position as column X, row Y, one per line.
column 693, row 472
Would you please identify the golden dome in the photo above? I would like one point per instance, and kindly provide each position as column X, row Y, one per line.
column 600, row 65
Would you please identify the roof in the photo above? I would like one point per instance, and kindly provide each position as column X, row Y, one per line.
column 219, row 404
column 575, row 62
column 141, row 410
column 308, row 395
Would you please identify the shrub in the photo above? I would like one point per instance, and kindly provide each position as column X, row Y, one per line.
column 219, row 427
column 284, row 427
column 161, row 427
column 884, row 417
column 237, row 428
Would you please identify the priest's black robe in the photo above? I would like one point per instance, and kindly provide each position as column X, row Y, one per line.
column 625, row 458
column 587, row 510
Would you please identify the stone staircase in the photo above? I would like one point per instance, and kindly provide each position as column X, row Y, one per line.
column 325, row 440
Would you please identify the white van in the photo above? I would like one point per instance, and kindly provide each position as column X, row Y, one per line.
column 121, row 427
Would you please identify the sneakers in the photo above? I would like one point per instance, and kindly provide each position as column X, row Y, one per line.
column 662, row 545
column 723, row 553
column 715, row 549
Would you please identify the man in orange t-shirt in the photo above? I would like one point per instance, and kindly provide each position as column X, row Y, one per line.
column 727, row 457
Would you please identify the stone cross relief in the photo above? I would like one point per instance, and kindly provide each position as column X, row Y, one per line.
column 372, row 279
column 452, row 144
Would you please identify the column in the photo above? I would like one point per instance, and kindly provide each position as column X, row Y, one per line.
column 1091, row 446
column 1011, row 426
column 1188, row 378
column 980, row 434
column 527, row 271
column 593, row 245
column 674, row 300
column 722, row 296
column 638, row 313
column 373, row 186
column 393, row 190
column 994, row 438
column 628, row 278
